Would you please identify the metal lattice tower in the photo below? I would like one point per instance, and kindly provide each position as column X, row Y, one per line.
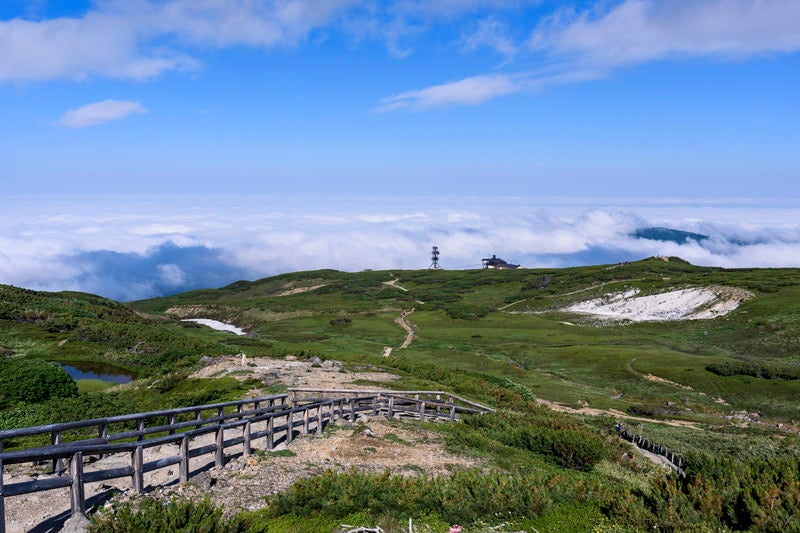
column 435, row 259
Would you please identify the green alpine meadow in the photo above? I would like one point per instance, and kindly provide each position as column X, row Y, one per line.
column 701, row 361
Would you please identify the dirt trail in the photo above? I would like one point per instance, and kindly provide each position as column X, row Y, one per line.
column 393, row 283
column 403, row 323
column 614, row 413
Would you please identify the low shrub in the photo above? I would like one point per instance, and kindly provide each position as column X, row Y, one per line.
column 154, row 516
column 755, row 370
column 33, row 381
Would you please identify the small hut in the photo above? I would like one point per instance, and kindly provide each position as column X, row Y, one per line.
column 496, row 262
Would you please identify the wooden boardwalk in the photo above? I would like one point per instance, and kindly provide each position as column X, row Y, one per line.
column 271, row 420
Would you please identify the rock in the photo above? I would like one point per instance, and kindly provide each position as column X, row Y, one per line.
column 203, row 480
column 368, row 433
column 315, row 360
column 77, row 524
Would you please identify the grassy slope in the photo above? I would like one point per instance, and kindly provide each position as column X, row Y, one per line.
column 460, row 325
column 498, row 324
column 528, row 341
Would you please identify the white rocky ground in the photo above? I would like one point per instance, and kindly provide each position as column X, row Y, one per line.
column 684, row 304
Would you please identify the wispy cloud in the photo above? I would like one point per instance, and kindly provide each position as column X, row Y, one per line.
column 130, row 248
column 100, row 113
column 468, row 91
column 637, row 31
column 479, row 89
column 596, row 42
column 490, row 33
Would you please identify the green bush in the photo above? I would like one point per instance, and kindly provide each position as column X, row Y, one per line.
column 755, row 370
column 33, row 381
column 466, row 497
column 154, row 516
column 558, row 439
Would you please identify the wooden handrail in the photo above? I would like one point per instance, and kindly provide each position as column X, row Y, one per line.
column 307, row 416
column 80, row 424
column 403, row 393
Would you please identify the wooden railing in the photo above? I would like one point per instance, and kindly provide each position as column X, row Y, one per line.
column 426, row 405
column 675, row 461
column 134, row 433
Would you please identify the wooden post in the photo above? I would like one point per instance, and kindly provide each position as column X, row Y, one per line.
column 103, row 434
column 219, row 454
column 305, row 421
column 452, row 411
column 58, row 464
column 198, row 416
column 138, row 470
column 246, row 444
column 319, row 419
column 289, row 427
column 2, row 497
column 184, row 454
column 171, row 422
column 270, row 438
column 438, row 404
column 391, row 406
column 76, row 495
column 375, row 405
column 140, row 427
column 352, row 410
column 422, row 411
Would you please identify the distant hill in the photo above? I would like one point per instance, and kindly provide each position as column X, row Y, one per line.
column 668, row 235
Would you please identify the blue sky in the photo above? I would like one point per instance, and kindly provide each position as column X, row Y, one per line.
column 419, row 107
column 361, row 96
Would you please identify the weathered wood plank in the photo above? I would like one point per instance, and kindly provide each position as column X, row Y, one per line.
column 267, row 409
column 77, row 497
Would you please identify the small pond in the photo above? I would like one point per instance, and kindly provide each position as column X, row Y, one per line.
column 108, row 373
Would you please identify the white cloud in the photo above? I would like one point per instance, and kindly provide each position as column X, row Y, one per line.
column 490, row 33
column 171, row 274
column 140, row 39
column 75, row 48
column 100, row 113
column 592, row 44
column 636, row 31
column 469, row 91
column 478, row 89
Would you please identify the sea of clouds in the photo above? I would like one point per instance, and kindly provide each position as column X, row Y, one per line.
column 129, row 248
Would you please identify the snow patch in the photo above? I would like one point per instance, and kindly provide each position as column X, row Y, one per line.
column 216, row 324
column 684, row 304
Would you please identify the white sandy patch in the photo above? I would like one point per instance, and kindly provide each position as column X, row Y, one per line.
column 298, row 290
column 216, row 324
column 684, row 304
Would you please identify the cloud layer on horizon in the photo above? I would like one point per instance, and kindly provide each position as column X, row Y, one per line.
column 131, row 249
